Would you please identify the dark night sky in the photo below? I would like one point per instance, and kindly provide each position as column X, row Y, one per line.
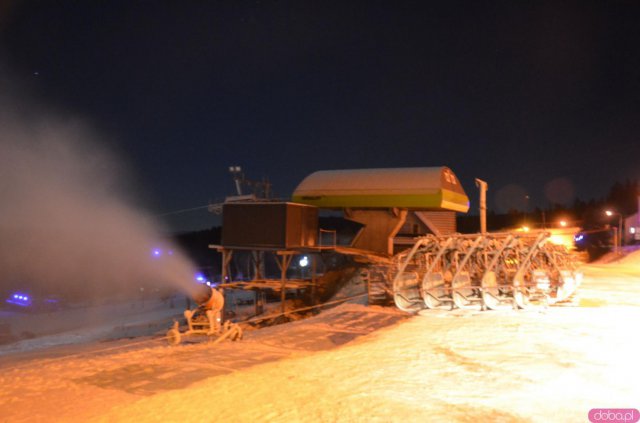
column 533, row 97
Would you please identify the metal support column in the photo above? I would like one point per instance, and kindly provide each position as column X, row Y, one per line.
column 283, row 265
column 484, row 187
column 314, row 280
column 258, row 264
column 226, row 259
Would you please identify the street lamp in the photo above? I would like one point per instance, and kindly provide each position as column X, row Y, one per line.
column 617, row 231
column 304, row 263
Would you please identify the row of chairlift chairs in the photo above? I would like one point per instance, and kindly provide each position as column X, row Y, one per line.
column 489, row 271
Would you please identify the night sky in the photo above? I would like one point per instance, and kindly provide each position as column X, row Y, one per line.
column 540, row 99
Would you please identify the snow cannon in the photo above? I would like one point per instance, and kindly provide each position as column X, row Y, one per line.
column 206, row 318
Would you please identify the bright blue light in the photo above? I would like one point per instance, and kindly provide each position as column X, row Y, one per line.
column 199, row 277
column 19, row 299
column 579, row 237
column 157, row 252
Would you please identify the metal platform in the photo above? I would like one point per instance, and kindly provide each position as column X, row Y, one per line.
column 273, row 284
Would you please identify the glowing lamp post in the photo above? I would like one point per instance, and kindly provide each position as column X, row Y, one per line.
column 304, row 263
column 617, row 232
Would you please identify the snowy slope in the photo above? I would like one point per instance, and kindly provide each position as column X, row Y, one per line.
column 358, row 363
column 82, row 324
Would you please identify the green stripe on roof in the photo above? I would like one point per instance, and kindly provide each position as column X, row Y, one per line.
column 442, row 200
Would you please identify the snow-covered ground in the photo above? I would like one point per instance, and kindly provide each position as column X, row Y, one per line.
column 357, row 363
column 110, row 319
column 83, row 323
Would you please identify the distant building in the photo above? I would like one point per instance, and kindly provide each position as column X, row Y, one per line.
column 632, row 227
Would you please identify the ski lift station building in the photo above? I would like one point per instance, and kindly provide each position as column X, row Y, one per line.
column 391, row 207
column 394, row 205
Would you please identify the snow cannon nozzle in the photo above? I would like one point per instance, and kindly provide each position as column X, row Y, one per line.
column 202, row 294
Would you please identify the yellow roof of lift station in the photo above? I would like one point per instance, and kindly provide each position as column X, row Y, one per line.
column 432, row 188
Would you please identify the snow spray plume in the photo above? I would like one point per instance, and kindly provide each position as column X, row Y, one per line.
column 66, row 226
